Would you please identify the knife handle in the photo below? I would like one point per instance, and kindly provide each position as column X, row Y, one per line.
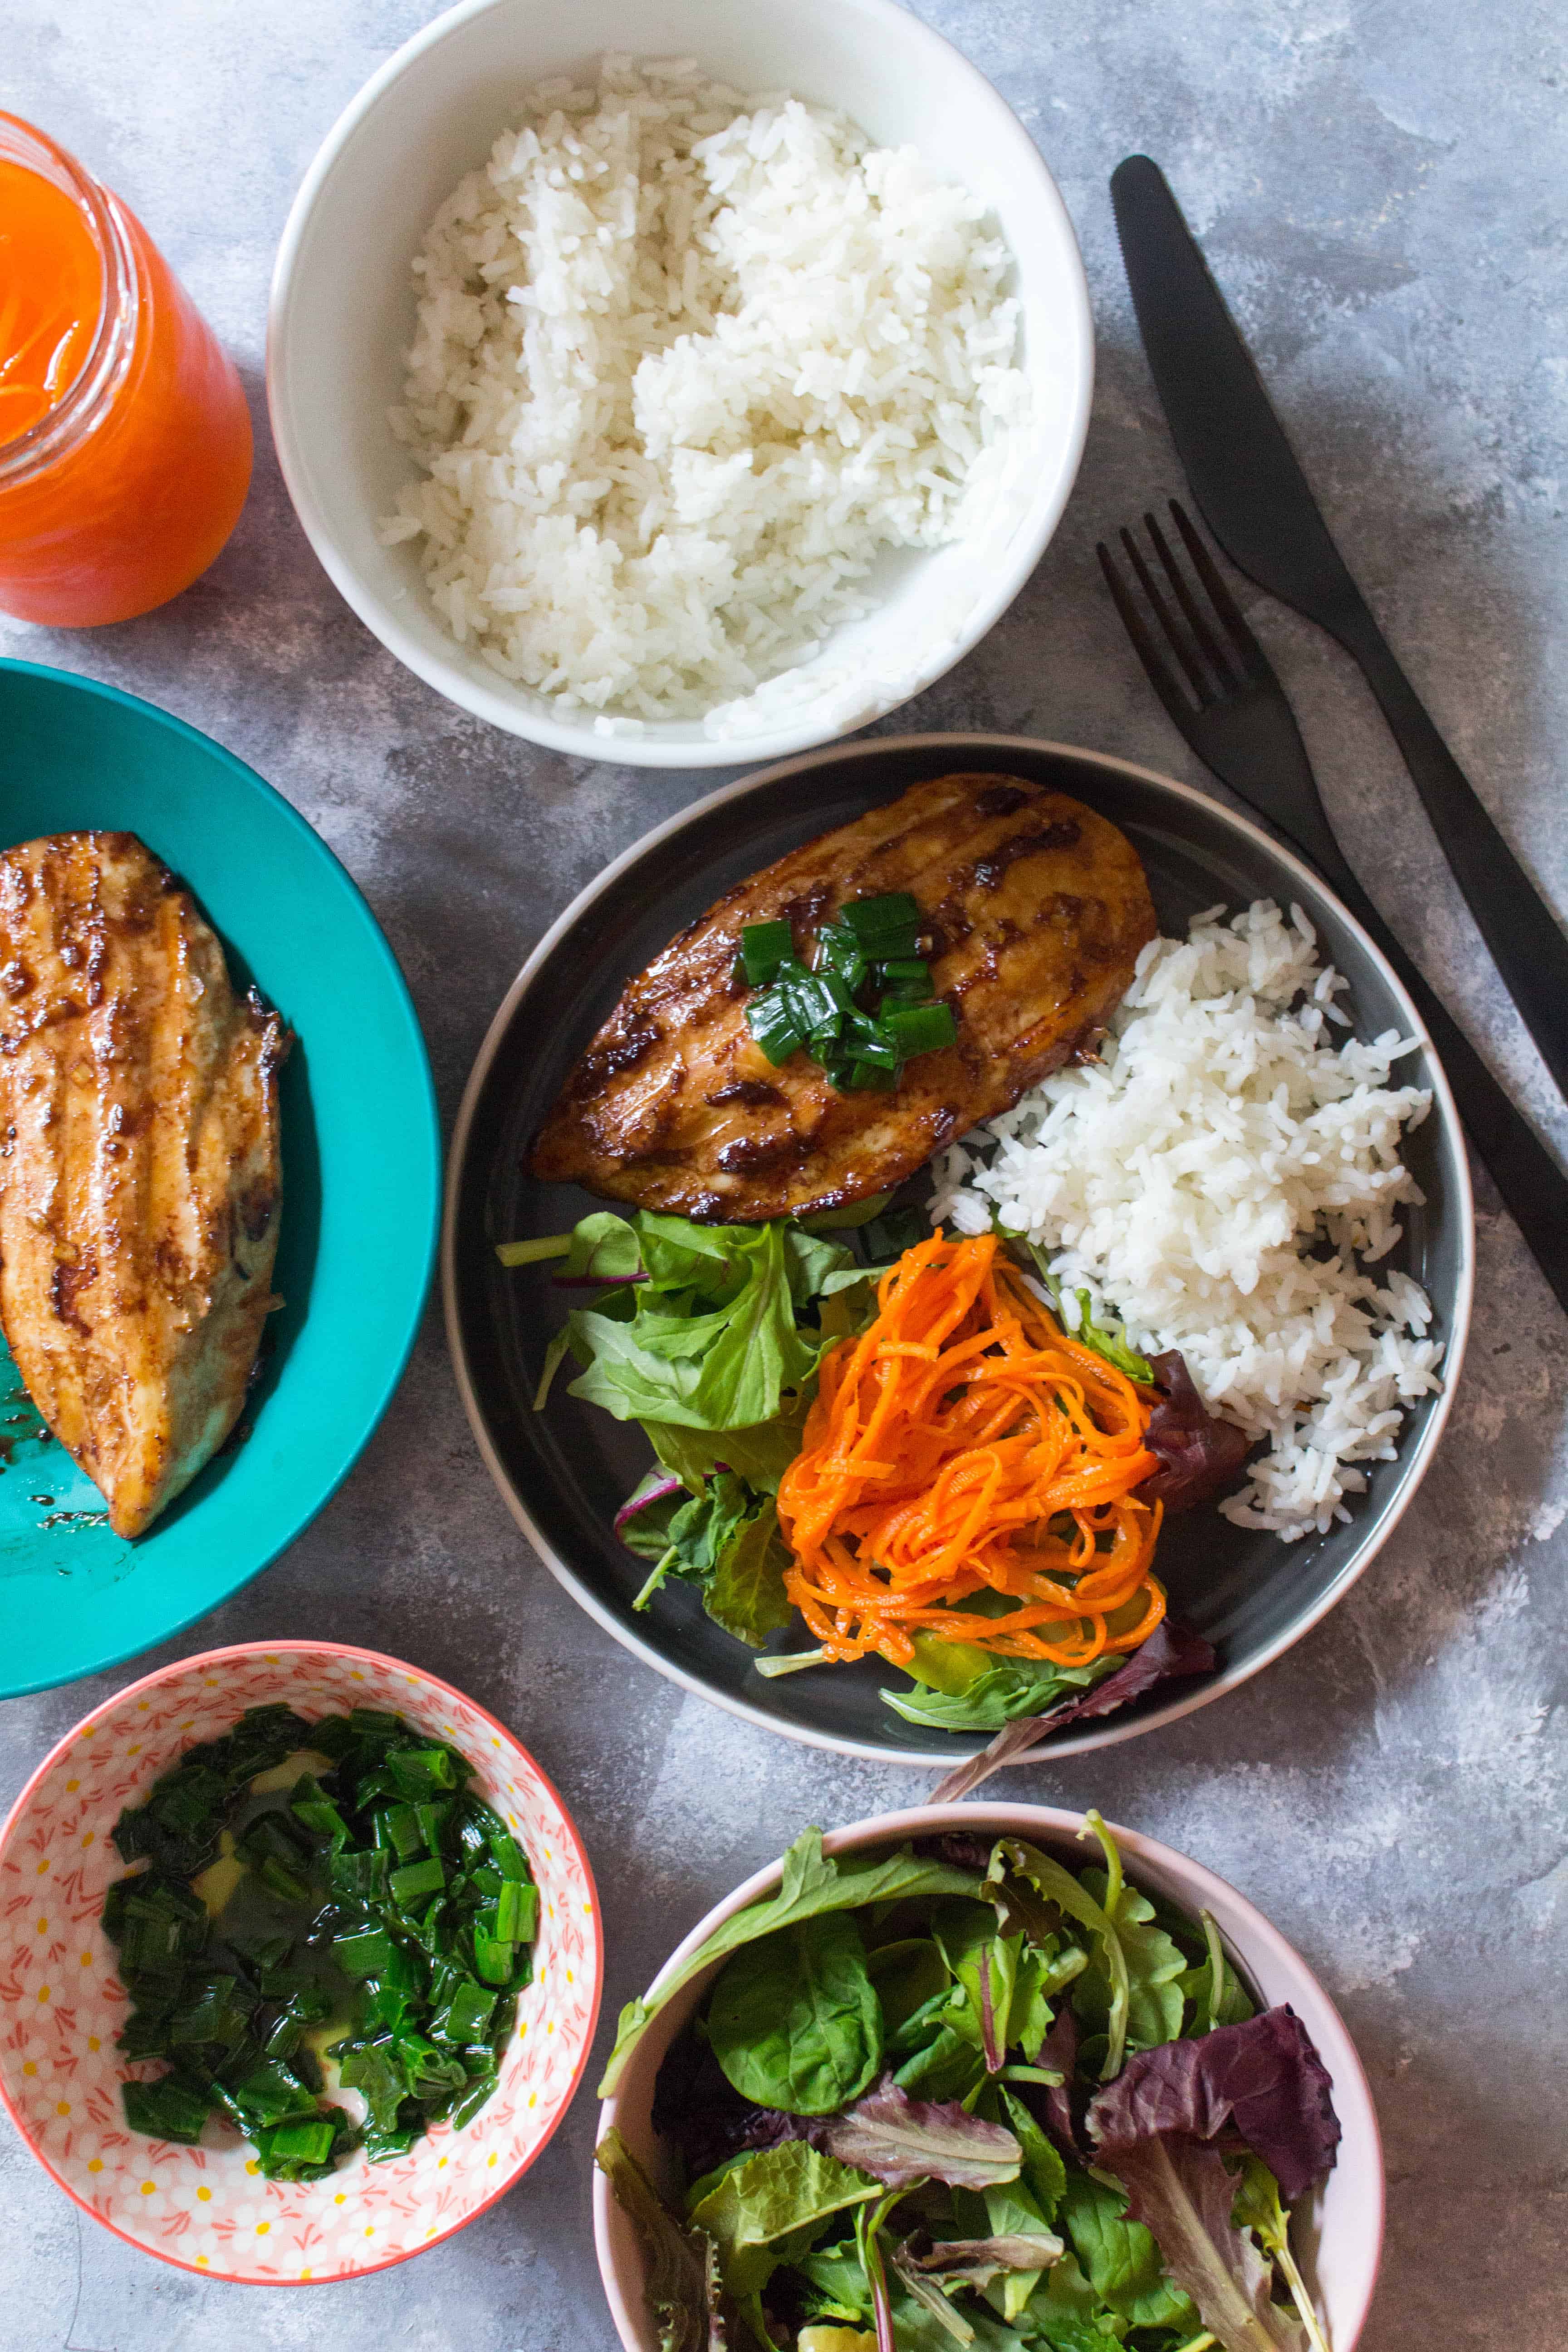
column 1528, row 947
column 1534, row 1189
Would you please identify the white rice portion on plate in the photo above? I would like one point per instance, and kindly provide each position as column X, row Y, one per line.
column 685, row 365
column 1223, row 1181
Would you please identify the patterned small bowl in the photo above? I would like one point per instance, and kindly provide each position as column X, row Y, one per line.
column 207, row 2209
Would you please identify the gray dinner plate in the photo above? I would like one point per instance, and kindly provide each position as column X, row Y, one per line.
column 564, row 1471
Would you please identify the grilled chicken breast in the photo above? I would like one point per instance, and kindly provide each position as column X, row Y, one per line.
column 1033, row 910
column 140, row 1181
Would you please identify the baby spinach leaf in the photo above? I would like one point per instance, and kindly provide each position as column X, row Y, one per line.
column 1119, row 2257
column 812, row 1883
column 767, row 2208
column 795, row 2020
column 908, row 1975
column 746, row 1593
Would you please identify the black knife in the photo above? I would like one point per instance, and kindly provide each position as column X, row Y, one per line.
column 1256, row 500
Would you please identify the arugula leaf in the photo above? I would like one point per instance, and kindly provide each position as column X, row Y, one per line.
column 904, row 2140
column 1155, row 1966
column 688, row 1536
column 678, row 2284
column 1119, row 2257
column 1181, row 2191
column 766, row 2209
column 1043, row 2167
column 760, row 1456
column 746, row 1595
column 812, row 1882
column 998, row 1695
column 1059, row 1887
column 795, row 2020
column 725, row 1368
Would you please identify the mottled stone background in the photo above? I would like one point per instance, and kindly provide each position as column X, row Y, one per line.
column 1381, row 188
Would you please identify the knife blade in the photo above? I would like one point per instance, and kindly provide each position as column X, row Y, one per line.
column 1258, row 502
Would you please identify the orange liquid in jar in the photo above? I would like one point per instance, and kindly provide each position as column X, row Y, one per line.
column 51, row 292
column 126, row 504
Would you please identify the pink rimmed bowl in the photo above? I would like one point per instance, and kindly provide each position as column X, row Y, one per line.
column 1338, row 2239
column 206, row 2208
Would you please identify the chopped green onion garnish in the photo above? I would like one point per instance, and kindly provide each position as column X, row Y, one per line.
column 763, row 946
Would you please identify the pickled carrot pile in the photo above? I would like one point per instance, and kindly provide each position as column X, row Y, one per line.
column 51, row 292
column 963, row 1444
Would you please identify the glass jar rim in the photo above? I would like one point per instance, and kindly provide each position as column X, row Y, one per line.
column 86, row 402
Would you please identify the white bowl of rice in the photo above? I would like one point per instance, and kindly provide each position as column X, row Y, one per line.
column 675, row 384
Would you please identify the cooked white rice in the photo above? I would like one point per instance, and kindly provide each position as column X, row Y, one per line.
column 1222, row 1181
column 685, row 365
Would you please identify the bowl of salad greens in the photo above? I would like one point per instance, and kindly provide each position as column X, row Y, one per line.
column 299, row 1963
column 1000, row 2077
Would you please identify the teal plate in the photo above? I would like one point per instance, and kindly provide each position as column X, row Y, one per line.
column 362, row 1160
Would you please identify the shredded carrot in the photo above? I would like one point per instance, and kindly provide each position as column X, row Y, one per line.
column 964, row 1444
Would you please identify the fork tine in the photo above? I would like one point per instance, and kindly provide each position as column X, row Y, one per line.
column 1174, row 635
column 1255, row 661
column 1221, row 663
column 1143, row 644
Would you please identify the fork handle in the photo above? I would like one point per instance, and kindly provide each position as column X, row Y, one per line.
column 1528, row 947
column 1532, row 1185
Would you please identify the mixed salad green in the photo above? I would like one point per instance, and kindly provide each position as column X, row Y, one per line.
column 327, row 1891
column 962, row 2095
column 708, row 1338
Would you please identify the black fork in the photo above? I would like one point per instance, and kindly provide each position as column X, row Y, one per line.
column 1219, row 687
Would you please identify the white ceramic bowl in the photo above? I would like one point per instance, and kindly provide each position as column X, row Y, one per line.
column 342, row 317
column 1340, row 2244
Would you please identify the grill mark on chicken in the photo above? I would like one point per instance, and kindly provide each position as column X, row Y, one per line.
column 1034, row 908
column 140, row 1182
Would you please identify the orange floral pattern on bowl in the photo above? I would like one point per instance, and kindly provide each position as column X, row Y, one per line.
column 207, row 2209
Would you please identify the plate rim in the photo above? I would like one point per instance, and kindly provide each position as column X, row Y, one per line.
column 298, row 1521
column 1110, row 1732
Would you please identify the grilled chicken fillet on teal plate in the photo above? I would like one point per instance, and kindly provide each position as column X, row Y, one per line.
column 140, row 1172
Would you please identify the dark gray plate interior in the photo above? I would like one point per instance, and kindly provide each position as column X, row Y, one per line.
column 569, row 1467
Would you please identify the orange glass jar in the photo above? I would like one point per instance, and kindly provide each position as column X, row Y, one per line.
column 125, row 444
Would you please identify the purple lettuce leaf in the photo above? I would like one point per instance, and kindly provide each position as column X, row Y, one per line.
column 1052, row 2105
column 975, row 2261
column 1170, row 1651
column 1181, row 2191
column 1262, row 2081
column 1199, row 1454
column 899, row 2140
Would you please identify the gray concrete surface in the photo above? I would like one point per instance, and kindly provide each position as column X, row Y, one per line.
column 1381, row 189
